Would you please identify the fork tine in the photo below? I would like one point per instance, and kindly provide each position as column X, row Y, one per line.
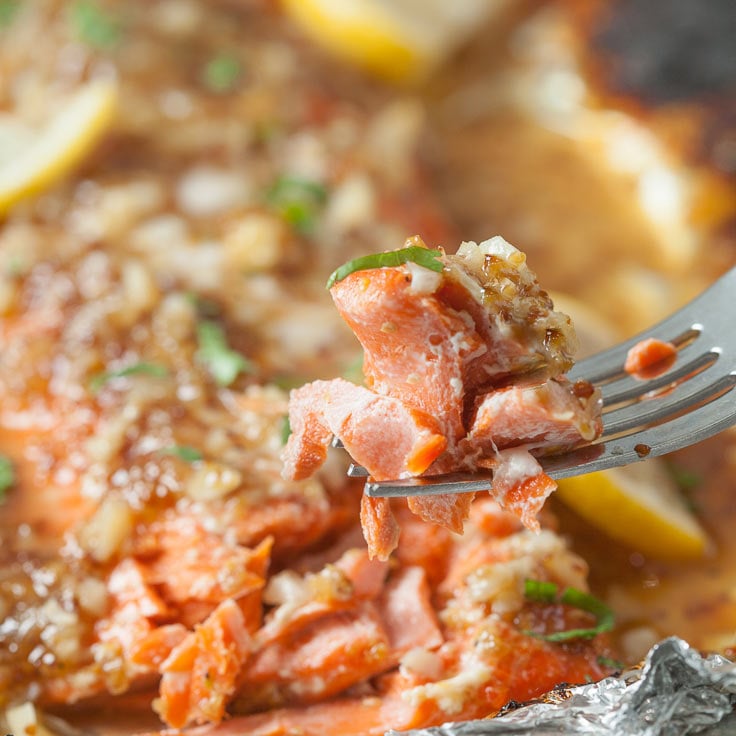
column 681, row 432
column 634, row 390
column 688, row 403
column 656, row 410
column 357, row 471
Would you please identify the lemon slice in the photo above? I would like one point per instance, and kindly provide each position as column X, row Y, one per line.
column 399, row 40
column 33, row 159
column 640, row 506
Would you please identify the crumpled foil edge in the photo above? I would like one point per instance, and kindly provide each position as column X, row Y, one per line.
column 676, row 691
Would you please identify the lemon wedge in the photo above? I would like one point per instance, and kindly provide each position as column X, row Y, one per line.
column 31, row 160
column 640, row 506
column 399, row 40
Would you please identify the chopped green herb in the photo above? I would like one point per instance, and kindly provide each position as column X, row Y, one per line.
column 7, row 476
column 298, row 201
column 614, row 664
column 421, row 256
column 543, row 592
column 287, row 382
column 8, row 9
column 686, row 479
column 206, row 308
column 354, row 371
column 285, row 430
column 93, row 25
column 183, row 452
column 222, row 73
column 265, row 131
column 16, row 265
column 223, row 363
column 142, row 368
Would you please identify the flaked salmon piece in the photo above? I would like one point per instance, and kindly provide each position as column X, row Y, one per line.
column 200, row 674
column 650, row 358
column 325, row 649
column 152, row 650
column 194, row 569
column 380, row 432
column 407, row 613
column 432, row 341
column 367, row 576
column 446, row 509
column 416, row 348
column 319, row 660
column 380, row 529
column 488, row 515
column 554, row 414
column 302, row 600
column 471, row 341
column 356, row 716
column 520, row 485
column 294, row 521
column 514, row 422
column 136, row 610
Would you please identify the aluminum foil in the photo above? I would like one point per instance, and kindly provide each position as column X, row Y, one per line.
column 675, row 692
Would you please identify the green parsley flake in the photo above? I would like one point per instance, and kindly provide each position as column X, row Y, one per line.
column 142, row 368
column 8, row 10
column 298, row 201
column 545, row 592
column 354, row 371
column 285, row 429
column 7, row 476
column 222, row 73
column 414, row 253
column 223, row 363
column 687, row 480
column 183, row 452
column 93, row 25
column 613, row 664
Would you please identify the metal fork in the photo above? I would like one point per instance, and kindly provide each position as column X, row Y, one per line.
column 687, row 404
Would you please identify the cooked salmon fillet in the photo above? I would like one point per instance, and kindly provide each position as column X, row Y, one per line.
column 463, row 360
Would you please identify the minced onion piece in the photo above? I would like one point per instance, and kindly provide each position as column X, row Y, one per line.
column 546, row 592
column 414, row 254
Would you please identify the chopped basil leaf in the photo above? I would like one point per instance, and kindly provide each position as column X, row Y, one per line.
column 354, row 371
column 8, row 9
column 614, row 664
column 93, row 25
column 222, row 73
column 414, row 253
column 223, row 363
column 7, row 476
column 142, row 368
column 183, row 452
column 298, row 201
column 285, row 429
column 544, row 592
